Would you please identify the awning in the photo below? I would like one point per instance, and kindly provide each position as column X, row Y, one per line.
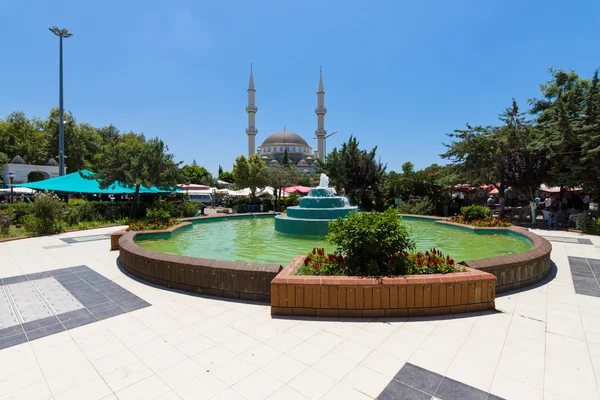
column 297, row 189
column 75, row 183
column 193, row 186
column 556, row 189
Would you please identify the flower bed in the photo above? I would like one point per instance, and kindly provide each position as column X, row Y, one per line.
column 487, row 222
column 152, row 225
column 317, row 262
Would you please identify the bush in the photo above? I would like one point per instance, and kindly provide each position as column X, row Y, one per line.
column 17, row 210
column 474, row 211
column 368, row 241
column 423, row 207
column 47, row 214
column 229, row 201
column 292, row 200
column 186, row 209
column 268, row 204
column 158, row 215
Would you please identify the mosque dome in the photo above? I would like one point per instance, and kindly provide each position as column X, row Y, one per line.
column 274, row 163
column 303, row 163
column 52, row 163
column 284, row 138
column 17, row 160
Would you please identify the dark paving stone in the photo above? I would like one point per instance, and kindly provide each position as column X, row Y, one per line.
column 494, row 397
column 10, row 331
column 69, row 280
column 40, row 323
column 587, row 292
column 74, row 323
column 73, row 315
column 94, row 279
column 79, row 269
column 579, row 261
column 585, row 241
column 137, row 305
column 418, row 378
column 585, row 272
column 14, row 279
column 110, row 287
column 37, row 275
column 125, row 299
column 399, row 391
column 12, row 340
column 92, row 299
column 450, row 389
column 585, row 282
column 594, row 263
column 60, row 272
column 45, row 331
column 110, row 312
column 101, row 307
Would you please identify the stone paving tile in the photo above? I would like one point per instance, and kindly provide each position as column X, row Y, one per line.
column 543, row 344
column 50, row 302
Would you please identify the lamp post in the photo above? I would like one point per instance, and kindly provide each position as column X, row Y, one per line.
column 61, row 33
column 11, row 176
column 325, row 143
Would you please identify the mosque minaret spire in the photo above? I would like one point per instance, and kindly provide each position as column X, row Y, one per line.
column 251, row 109
column 321, row 111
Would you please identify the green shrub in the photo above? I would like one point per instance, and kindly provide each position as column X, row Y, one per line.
column 229, row 201
column 368, row 241
column 187, row 209
column 17, row 210
column 47, row 214
column 158, row 215
column 423, row 207
column 268, row 204
column 474, row 211
column 292, row 200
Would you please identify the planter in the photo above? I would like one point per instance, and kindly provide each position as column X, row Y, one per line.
column 415, row 295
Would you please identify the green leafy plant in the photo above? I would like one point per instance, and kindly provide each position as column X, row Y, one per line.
column 47, row 214
column 423, row 207
column 158, row 215
column 367, row 241
column 474, row 212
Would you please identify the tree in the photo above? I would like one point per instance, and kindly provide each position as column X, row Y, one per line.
column 197, row 175
column 474, row 153
column 281, row 176
column 226, row 176
column 357, row 172
column 3, row 160
column 220, row 170
column 250, row 173
column 21, row 136
column 135, row 162
column 286, row 158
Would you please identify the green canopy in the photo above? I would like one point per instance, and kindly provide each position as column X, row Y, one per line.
column 75, row 183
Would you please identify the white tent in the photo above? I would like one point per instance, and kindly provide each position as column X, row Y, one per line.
column 18, row 190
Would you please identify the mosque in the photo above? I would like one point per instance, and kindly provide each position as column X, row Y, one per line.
column 273, row 148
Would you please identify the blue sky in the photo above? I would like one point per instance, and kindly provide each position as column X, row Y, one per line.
column 397, row 74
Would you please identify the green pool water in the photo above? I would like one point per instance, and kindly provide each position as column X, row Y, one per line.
column 255, row 240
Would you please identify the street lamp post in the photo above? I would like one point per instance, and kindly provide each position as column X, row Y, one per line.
column 325, row 143
column 61, row 33
column 11, row 176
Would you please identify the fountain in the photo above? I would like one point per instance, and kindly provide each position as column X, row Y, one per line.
column 315, row 211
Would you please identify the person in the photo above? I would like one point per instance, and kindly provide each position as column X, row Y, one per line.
column 548, row 202
column 586, row 202
column 537, row 201
column 491, row 201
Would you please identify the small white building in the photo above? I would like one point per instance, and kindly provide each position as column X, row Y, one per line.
column 21, row 170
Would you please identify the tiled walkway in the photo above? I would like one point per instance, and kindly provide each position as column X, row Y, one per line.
column 544, row 343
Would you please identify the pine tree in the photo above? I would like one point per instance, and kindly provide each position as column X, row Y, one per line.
column 286, row 159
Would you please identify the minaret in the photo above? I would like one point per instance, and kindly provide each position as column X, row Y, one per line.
column 321, row 111
column 251, row 109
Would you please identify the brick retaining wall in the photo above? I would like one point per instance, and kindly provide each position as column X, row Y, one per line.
column 345, row 296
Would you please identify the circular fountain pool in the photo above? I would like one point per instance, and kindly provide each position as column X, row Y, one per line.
column 255, row 240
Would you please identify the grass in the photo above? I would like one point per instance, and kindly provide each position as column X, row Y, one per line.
column 20, row 232
column 13, row 232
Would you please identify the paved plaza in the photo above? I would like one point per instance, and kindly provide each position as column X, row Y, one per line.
column 75, row 326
